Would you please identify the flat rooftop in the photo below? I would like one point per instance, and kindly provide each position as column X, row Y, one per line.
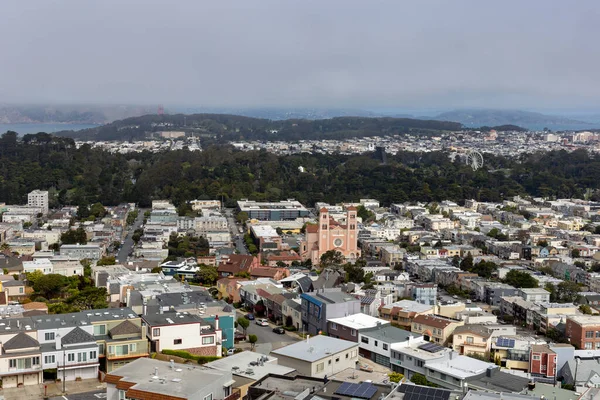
column 359, row 321
column 250, row 365
column 314, row 348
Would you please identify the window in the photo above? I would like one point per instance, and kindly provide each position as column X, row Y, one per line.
column 156, row 332
column 346, row 356
column 470, row 339
column 132, row 347
column 93, row 355
column 401, row 357
column 385, row 346
column 71, row 357
column 536, row 358
column 597, row 334
column 376, row 343
column 442, row 376
column 419, row 363
column 49, row 359
column 35, row 361
column 101, row 348
column 122, row 395
column 329, row 362
column 99, row 330
column 20, row 290
column 337, row 360
column 208, row 340
column 81, row 357
column 589, row 334
column 49, row 336
column 588, row 345
column 364, row 340
column 176, row 341
column 208, row 397
column 353, row 332
column 320, row 367
column 12, row 363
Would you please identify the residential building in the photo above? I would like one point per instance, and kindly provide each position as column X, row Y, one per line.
column 542, row 361
column 318, row 356
column 349, row 327
column 15, row 290
column 478, row 338
column 320, row 306
column 38, row 198
column 81, row 251
column 235, row 264
column 74, row 354
column 147, row 378
column 435, row 328
column 376, row 343
column 584, row 331
column 494, row 291
column 328, row 235
column 20, row 357
column 183, row 331
column 536, row 295
column 403, row 312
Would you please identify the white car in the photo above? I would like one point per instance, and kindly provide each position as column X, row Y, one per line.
column 262, row 322
column 230, row 351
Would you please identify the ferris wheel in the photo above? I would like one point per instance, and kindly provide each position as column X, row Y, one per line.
column 474, row 159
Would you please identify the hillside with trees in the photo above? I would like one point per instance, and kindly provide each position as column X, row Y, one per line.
column 226, row 127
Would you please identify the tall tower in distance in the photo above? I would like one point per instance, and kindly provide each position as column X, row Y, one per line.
column 161, row 110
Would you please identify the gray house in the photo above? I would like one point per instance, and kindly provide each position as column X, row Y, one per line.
column 324, row 304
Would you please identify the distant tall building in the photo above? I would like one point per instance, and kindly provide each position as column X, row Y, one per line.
column 38, row 198
column 161, row 110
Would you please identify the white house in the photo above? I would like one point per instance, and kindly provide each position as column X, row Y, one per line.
column 183, row 331
column 318, row 356
column 74, row 355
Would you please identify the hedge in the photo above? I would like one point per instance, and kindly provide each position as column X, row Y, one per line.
column 188, row 356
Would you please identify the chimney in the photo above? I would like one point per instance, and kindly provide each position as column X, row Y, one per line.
column 58, row 342
column 155, row 371
column 216, row 322
column 307, row 339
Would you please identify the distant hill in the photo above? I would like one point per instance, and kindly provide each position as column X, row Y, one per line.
column 530, row 120
column 236, row 127
column 67, row 114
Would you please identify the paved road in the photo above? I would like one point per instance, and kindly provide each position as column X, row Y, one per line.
column 267, row 339
column 238, row 238
column 127, row 246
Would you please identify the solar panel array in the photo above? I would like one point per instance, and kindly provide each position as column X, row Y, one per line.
column 505, row 342
column 414, row 392
column 431, row 347
column 358, row 390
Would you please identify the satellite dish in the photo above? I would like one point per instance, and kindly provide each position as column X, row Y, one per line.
column 474, row 159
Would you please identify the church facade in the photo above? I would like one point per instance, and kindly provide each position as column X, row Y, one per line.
column 329, row 234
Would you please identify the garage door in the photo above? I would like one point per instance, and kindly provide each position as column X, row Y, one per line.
column 9, row 381
column 382, row 360
column 31, row 379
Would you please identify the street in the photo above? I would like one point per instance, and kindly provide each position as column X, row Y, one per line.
column 267, row 339
column 237, row 237
column 127, row 246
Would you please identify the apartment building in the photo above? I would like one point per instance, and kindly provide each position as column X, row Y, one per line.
column 349, row 327
column 320, row 306
column 403, row 312
column 81, row 251
column 38, row 198
column 584, row 331
column 435, row 328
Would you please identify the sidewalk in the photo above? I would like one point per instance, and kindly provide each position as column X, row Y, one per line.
column 36, row 392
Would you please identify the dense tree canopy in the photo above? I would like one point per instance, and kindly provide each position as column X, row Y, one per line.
column 86, row 176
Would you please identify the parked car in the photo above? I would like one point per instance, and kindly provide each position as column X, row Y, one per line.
column 279, row 330
column 262, row 322
column 239, row 336
column 250, row 316
column 231, row 351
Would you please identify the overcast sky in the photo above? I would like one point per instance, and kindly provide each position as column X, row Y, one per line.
column 300, row 53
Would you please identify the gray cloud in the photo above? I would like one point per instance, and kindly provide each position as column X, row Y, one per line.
column 334, row 53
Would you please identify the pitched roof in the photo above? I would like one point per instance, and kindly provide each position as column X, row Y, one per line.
column 13, row 283
column 431, row 320
column 76, row 336
column 124, row 328
column 21, row 341
column 264, row 272
column 35, row 305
